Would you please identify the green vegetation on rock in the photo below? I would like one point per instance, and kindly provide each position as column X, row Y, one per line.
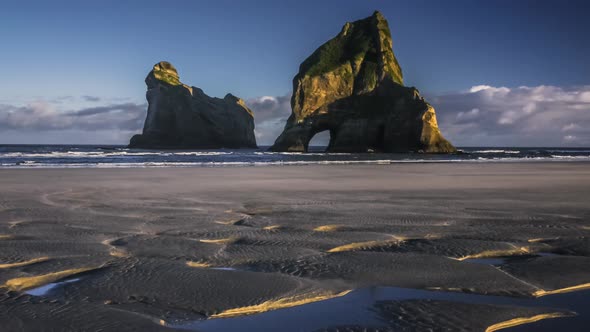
column 180, row 116
column 352, row 86
column 357, row 42
column 165, row 72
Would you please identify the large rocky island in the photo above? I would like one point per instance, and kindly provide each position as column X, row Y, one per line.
column 352, row 86
column 180, row 116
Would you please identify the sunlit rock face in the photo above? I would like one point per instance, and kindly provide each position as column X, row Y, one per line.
column 352, row 86
column 180, row 116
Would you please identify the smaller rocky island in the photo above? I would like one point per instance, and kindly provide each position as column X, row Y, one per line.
column 180, row 116
column 352, row 86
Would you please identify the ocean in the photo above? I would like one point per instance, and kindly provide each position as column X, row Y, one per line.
column 113, row 156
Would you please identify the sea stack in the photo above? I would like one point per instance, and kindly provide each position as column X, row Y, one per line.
column 180, row 116
column 352, row 86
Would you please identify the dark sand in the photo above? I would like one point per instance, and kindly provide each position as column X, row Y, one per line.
column 145, row 244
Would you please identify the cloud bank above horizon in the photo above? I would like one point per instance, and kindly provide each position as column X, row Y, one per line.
column 523, row 116
column 480, row 116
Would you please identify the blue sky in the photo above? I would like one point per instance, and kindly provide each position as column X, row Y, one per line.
column 104, row 49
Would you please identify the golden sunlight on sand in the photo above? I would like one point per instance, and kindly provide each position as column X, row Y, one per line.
column 367, row 244
column 24, row 283
column 525, row 320
column 542, row 292
column 272, row 227
column 281, row 303
column 198, row 264
column 29, row 262
column 327, row 228
column 219, row 241
column 498, row 253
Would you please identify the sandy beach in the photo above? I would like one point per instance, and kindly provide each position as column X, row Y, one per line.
column 184, row 248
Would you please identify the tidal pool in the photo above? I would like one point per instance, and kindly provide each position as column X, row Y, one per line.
column 355, row 308
column 45, row 289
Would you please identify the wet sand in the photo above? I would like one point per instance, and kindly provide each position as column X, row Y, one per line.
column 173, row 248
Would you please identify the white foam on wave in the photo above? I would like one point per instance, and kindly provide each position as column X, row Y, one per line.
column 194, row 164
column 100, row 154
column 568, row 151
column 303, row 153
column 571, row 157
column 553, row 158
column 289, row 163
column 496, row 151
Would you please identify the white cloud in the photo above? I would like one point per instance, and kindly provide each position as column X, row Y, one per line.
column 482, row 115
column 468, row 115
column 584, row 97
column 47, row 120
column 478, row 88
column 487, row 90
column 570, row 127
column 508, row 118
column 270, row 115
column 530, row 116
column 529, row 107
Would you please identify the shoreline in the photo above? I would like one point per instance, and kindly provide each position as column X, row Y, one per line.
column 172, row 165
column 37, row 156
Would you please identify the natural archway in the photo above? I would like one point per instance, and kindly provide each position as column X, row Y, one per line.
column 319, row 142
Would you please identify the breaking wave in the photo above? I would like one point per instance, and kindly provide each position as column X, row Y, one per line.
column 62, row 156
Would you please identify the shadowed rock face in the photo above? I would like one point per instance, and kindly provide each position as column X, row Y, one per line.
column 352, row 86
column 180, row 116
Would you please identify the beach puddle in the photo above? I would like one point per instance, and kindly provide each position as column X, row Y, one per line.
column 487, row 261
column 224, row 268
column 546, row 254
column 45, row 289
column 356, row 308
